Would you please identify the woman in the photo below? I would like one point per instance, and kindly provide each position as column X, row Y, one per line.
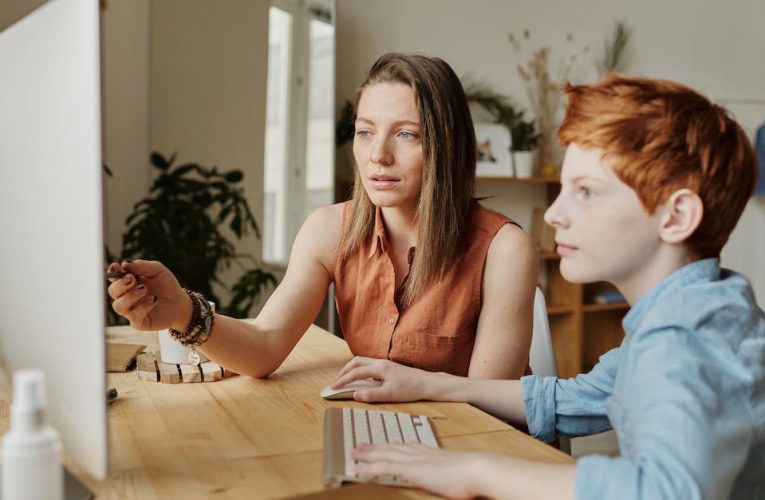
column 420, row 268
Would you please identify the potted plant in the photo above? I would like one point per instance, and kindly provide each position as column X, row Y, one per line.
column 524, row 139
column 180, row 223
column 522, row 132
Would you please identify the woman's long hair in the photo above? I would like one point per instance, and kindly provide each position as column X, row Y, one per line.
column 449, row 149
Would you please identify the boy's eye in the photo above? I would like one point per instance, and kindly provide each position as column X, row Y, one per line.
column 584, row 193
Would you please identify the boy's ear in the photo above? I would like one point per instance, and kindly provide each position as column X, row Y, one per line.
column 683, row 212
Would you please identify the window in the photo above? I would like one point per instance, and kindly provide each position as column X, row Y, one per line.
column 299, row 149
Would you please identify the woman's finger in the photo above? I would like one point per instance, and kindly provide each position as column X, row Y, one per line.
column 358, row 373
column 121, row 286
column 139, row 315
column 114, row 272
column 356, row 361
column 375, row 395
column 124, row 302
column 146, row 268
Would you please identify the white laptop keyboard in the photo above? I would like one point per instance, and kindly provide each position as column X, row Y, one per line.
column 346, row 428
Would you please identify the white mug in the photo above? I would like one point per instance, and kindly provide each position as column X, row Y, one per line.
column 173, row 352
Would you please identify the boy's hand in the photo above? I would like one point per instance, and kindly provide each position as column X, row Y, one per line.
column 400, row 383
column 447, row 473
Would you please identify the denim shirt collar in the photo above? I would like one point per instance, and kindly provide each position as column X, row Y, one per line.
column 701, row 270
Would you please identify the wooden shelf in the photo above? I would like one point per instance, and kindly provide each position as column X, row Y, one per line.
column 560, row 309
column 616, row 306
column 548, row 256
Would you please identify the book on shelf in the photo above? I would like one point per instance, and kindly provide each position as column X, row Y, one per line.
column 608, row 297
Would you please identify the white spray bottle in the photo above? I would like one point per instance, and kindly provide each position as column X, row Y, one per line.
column 31, row 449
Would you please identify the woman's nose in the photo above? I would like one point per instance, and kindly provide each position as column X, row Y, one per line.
column 381, row 152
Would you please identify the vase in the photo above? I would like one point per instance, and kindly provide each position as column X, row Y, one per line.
column 523, row 163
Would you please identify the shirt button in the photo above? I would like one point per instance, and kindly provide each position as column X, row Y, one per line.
column 391, row 320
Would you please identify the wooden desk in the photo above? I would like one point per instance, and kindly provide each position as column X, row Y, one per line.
column 248, row 438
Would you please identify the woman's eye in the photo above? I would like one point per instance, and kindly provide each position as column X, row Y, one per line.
column 363, row 133
column 406, row 135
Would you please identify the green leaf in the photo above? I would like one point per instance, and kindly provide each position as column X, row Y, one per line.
column 182, row 170
column 184, row 223
column 159, row 161
column 234, row 176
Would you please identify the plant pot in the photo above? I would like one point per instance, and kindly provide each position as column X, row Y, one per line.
column 173, row 352
column 523, row 163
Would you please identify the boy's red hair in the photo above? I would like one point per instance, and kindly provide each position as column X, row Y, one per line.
column 661, row 136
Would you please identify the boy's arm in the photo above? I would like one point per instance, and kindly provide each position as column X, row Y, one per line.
column 571, row 407
column 467, row 475
column 684, row 421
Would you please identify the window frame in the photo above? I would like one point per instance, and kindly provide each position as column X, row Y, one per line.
column 296, row 119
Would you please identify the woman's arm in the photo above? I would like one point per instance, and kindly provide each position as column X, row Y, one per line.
column 503, row 336
column 258, row 347
column 501, row 398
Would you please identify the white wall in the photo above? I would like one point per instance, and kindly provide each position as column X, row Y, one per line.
column 13, row 10
column 186, row 76
column 125, row 111
column 714, row 46
column 208, row 89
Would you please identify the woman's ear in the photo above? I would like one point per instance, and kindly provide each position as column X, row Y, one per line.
column 683, row 212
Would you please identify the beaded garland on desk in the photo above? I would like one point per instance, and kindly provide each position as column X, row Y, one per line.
column 151, row 368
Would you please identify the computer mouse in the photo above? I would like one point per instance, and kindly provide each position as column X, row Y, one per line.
column 346, row 391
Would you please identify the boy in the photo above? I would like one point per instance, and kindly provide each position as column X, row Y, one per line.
column 654, row 180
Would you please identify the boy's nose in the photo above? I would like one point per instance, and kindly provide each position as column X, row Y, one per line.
column 553, row 215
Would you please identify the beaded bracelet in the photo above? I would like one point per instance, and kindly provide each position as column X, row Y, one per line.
column 201, row 322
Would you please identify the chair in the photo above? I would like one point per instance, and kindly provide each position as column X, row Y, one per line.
column 542, row 362
column 541, row 353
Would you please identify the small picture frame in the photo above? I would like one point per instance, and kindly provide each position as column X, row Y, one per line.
column 492, row 150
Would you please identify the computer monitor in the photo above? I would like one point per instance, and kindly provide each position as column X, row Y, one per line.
column 51, row 230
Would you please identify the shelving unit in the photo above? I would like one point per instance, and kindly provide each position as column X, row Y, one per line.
column 581, row 329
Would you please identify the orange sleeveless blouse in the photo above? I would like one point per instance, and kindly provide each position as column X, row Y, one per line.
column 436, row 332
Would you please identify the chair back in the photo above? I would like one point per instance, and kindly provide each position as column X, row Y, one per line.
column 541, row 353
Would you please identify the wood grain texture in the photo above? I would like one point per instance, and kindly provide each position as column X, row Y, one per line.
column 249, row 438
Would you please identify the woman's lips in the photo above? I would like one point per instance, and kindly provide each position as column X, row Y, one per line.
column 383, row 182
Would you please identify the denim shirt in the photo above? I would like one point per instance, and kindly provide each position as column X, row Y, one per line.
column 685, row 393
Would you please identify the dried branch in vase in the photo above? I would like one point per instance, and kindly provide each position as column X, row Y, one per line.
column 543, row 91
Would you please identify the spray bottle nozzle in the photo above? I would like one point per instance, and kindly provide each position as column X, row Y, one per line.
column 28, row 399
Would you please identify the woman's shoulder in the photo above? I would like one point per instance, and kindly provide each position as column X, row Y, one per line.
column 508, row 239
column 488, row 219
column 330, row 214
column 322, row 230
